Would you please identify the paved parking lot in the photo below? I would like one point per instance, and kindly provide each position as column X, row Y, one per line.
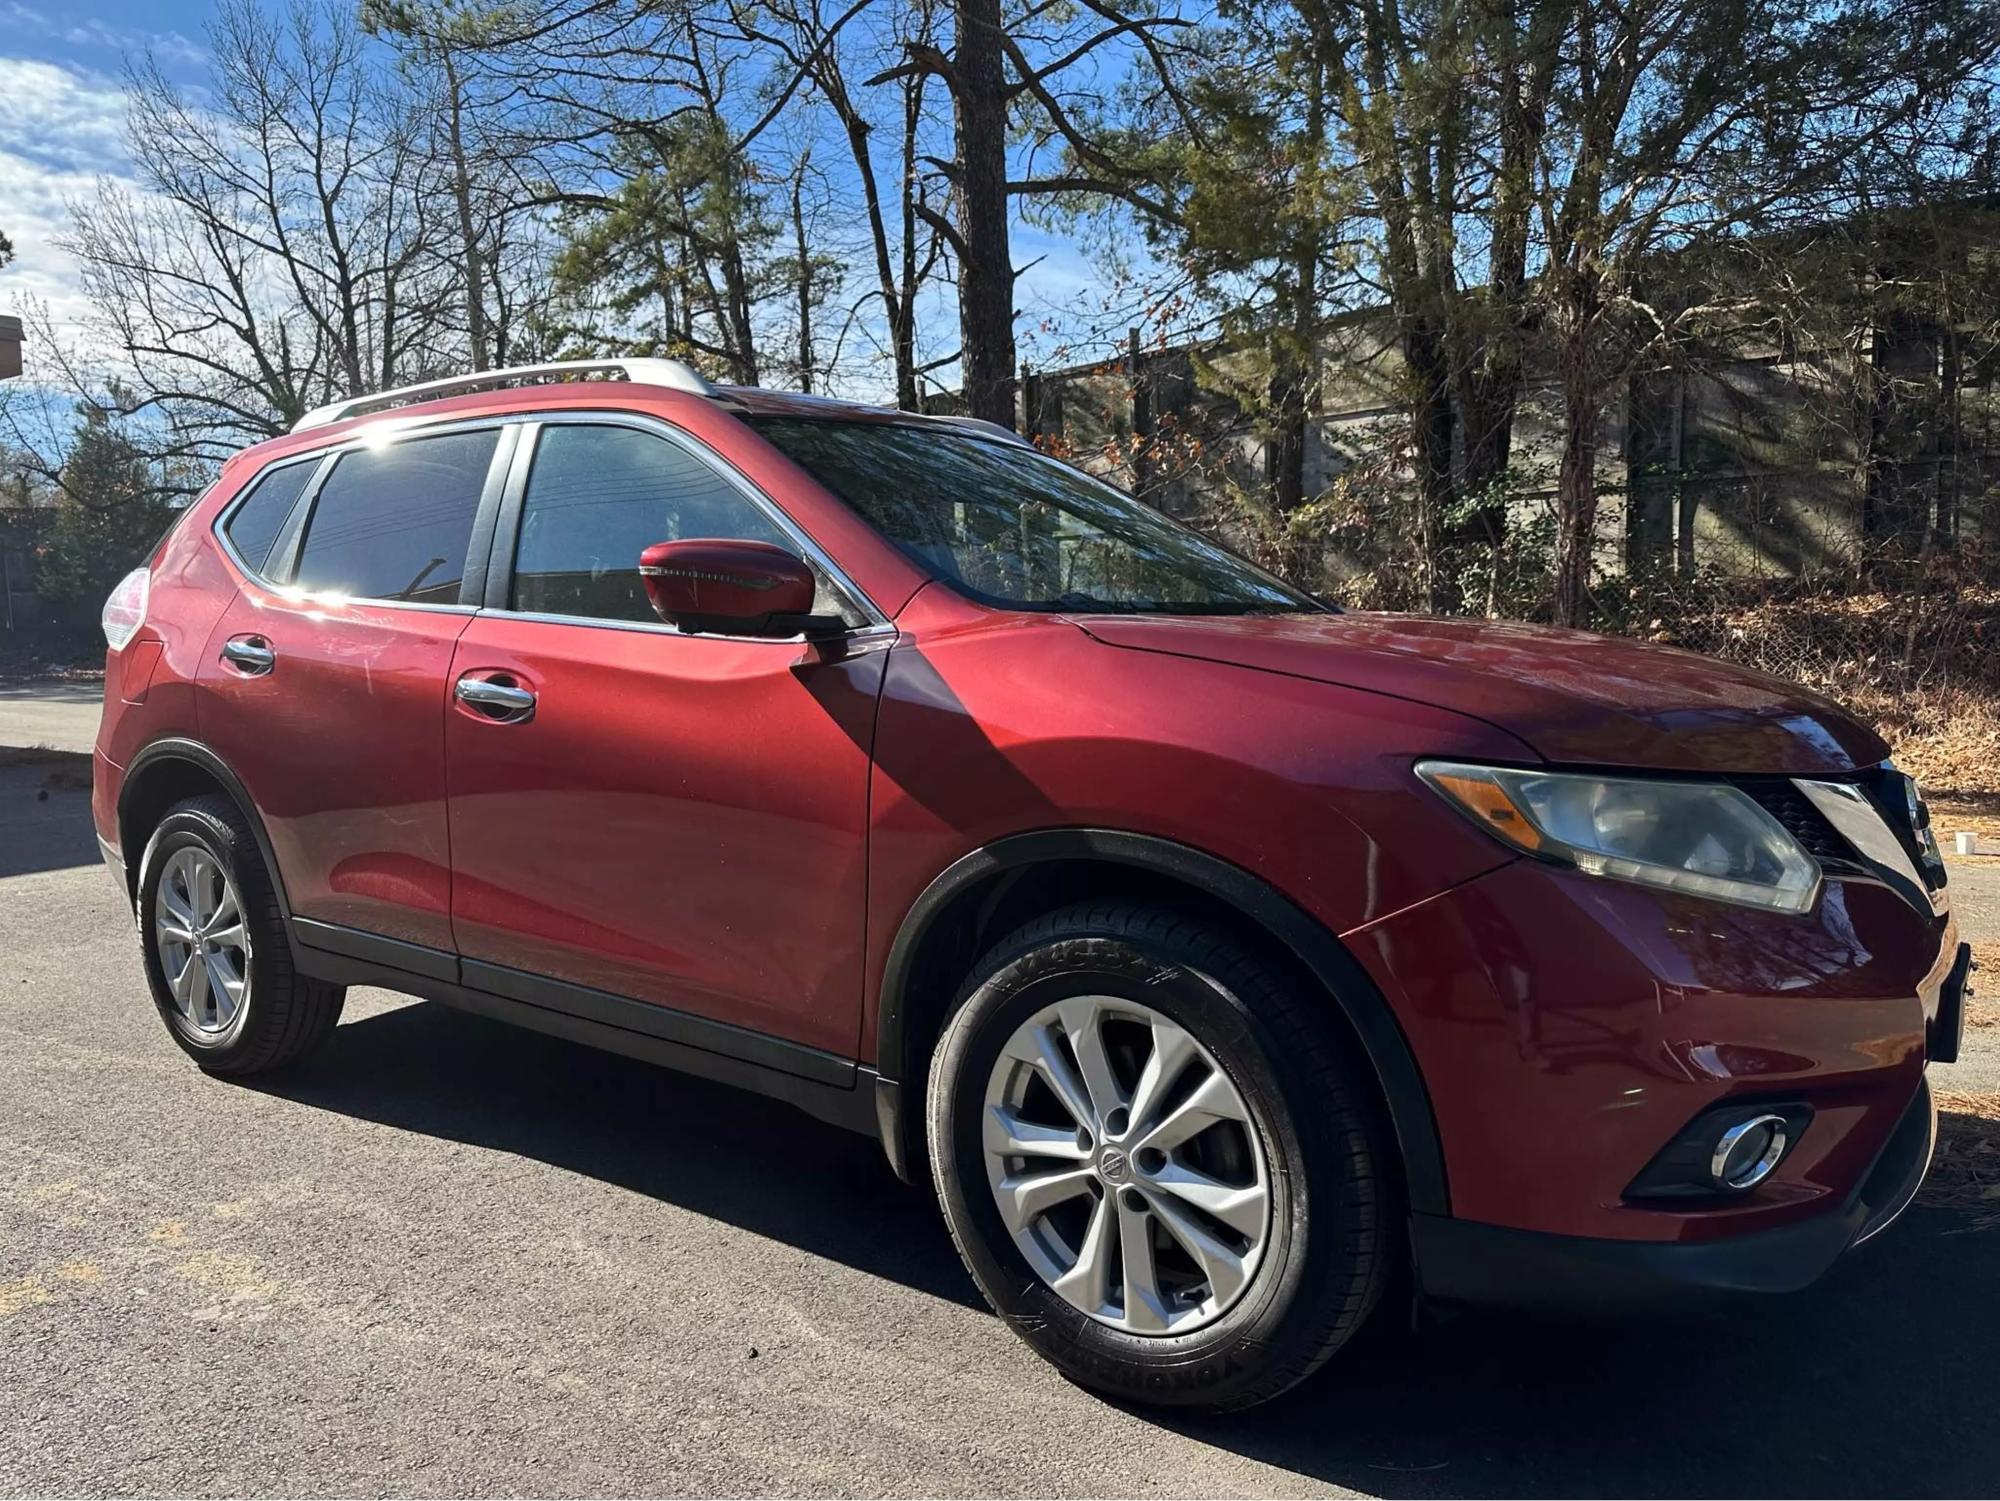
column 448, row 1257
column 59, row 714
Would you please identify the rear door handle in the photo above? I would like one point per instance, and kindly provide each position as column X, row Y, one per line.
column 504, row 703
column 250, row 655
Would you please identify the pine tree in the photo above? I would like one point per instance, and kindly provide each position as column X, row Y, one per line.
column 681, row 254
column 108, row 515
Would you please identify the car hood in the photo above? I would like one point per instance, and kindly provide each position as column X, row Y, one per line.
column 1570, row 695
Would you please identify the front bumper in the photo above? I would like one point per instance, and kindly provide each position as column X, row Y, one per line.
column 1568, row 1029
column 1463, row 1262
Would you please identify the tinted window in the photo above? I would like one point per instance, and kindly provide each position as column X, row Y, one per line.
column 255, row 524
column 598, row 497
column 393, row 523
column 1014, row 528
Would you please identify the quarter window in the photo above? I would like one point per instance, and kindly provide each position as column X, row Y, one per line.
column 598, row 496
column 255, row 523
column 394, row 522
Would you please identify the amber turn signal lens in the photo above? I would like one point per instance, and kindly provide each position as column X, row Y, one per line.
column 1489, row 802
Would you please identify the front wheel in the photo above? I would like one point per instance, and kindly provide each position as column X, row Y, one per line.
column 1156, row 1162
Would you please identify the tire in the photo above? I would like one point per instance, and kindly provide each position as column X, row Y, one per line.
column 276, row 1015
column 1330, row 1244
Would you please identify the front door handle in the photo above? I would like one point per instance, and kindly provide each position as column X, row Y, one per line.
column 250, row 655
column 504, row 703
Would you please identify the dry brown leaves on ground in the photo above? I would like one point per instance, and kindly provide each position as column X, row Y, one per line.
column 1965, row 1173
column 1982, row 1002
column 1948, row 739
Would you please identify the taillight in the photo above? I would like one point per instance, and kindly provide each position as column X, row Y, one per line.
column 125, row 610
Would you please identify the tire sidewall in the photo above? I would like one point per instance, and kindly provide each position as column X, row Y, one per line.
column 1203, row 1367
column 185, row 829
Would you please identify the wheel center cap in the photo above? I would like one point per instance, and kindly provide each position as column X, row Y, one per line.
column 1112, row 1165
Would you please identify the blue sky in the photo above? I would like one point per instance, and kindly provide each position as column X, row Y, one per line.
column 61, row 120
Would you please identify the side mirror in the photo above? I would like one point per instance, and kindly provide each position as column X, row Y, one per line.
column 730, row 588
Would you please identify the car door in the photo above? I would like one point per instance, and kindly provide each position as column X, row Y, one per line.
column 324, row 685
column 642, row 815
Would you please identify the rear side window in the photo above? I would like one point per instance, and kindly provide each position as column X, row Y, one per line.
column 394, row 523
column 599, row 496
column 255, row 523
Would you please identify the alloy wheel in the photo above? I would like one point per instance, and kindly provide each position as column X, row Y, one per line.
column 203, row 945
column 1128, row 1167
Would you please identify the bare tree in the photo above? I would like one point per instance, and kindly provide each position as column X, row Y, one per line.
column 274, row 253
column 815, row 47
column 1007, row 71
column 1681, row 126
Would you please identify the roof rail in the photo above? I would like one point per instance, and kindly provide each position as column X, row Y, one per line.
column 677, row 374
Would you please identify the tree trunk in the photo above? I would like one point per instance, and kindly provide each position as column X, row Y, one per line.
column 743, row 337
column 1294, row 379
column 663, row 273
column 1295, row 372
column 1433, row 429
column 461, row 192
column 903, row 316
column 1492, row 369
column 1143, row 425
column 1576, row 477
column 1286, row 463
column 986, row 268
column 804, row 276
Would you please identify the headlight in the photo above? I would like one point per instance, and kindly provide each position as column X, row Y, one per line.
column 1703, row 838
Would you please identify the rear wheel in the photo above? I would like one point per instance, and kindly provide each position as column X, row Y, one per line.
column 216, row 955
column 1156, row 1162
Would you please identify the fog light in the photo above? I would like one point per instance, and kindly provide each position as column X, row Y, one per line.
column 1745, row 1154
column 1727, row 1149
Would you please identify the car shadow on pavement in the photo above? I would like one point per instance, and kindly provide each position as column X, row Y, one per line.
column 1877, row 1382
column 721, row 1152
column 44, row 814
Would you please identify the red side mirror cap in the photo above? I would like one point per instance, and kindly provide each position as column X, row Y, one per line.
column 727, row 587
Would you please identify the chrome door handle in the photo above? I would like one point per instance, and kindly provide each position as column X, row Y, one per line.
column 249, row 654
column 502, row 702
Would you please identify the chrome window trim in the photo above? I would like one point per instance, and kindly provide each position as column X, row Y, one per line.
column 701, row 453
column 881, row 631
column 219, row 527
column 336, row 601
column 325, row 457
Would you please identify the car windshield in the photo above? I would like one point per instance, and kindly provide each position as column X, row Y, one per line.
column 1015, row 529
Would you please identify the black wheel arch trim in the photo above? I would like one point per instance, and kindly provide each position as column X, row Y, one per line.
column 1308, row 940
column 182, row 748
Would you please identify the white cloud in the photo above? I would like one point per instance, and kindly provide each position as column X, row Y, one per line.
column 59, row 115
column 60, row 130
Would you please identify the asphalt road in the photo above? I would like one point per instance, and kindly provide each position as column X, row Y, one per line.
column 447, row 1257
column 58, row 714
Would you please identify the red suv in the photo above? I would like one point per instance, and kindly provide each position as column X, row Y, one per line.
column 1234, row 966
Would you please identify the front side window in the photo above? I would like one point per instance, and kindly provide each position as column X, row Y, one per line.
column 600, row 495
column 255, row 523
column 394, row 522
column 1015, row 529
